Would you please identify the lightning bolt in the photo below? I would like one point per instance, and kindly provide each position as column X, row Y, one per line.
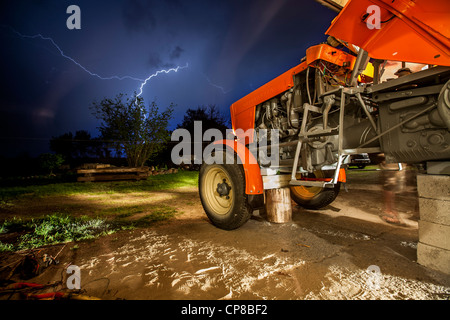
column 61, row 52
column 144, row 82
column 216, row 85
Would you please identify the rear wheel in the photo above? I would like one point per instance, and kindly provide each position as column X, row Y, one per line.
column 222, row 193
column 315, row 197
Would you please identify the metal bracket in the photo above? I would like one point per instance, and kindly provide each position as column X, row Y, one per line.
column 303, row 135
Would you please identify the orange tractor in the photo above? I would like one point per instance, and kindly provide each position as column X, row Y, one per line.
column 334, row 104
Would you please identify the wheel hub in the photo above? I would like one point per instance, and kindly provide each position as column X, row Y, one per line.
column 223, row 189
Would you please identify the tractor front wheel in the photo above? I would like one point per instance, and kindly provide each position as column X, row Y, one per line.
column 222, row 193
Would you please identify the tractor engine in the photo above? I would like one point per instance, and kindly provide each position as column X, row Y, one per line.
column 376, row 109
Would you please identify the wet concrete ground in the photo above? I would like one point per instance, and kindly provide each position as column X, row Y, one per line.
column 344, row 251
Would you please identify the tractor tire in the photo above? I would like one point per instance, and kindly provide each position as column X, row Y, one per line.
column 315, row 197
column 222, row 193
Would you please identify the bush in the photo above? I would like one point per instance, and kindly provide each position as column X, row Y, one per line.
column 53, row 229
column 50, row 161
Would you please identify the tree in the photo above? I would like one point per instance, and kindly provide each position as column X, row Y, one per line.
column 138, row 131
column 78, row 146
column 63, row 144
column 50, row 161
column 210, row 117
column 82, row 142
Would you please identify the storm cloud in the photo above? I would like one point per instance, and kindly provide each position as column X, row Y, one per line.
column 231, row 47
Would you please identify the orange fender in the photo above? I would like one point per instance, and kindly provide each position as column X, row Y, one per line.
column 253, row 178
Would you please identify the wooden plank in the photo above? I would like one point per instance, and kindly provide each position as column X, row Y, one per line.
column 95, row 166
column 113, row 170
column 107, row 177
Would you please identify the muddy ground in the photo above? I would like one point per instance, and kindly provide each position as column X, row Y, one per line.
column 325, row 254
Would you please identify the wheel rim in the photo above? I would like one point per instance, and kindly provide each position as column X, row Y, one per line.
column 307, row 193
column 218, row 203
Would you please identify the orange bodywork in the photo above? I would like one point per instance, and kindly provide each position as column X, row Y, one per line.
column 253, row 179
column 411, row 31
column 342, row 175
column 243, row 110
column 330, row 54
column 324, row 52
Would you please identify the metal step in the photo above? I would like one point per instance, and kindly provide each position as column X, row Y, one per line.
column 321, row 184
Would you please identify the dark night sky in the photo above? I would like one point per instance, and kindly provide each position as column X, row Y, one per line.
column 232, row 47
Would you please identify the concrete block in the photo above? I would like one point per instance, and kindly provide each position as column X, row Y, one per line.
column 436, row 211
column 433, row 258
column 437, row 235
column 433, row 186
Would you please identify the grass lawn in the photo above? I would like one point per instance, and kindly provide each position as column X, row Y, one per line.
column 153, row 183
column 46, row 212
